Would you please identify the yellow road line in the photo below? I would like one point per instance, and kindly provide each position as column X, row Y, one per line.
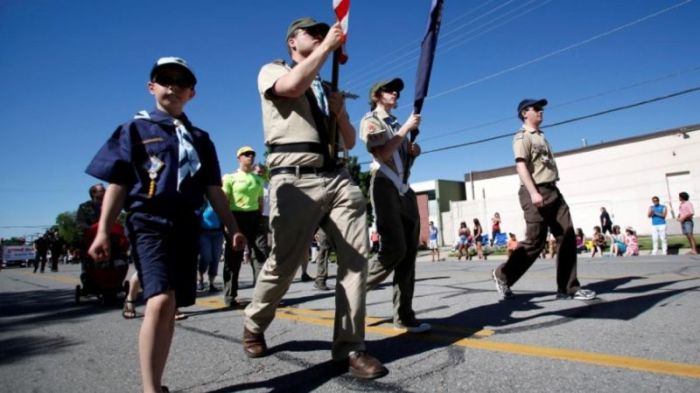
column 71, row 280
column 474, row 338
column 471, row 338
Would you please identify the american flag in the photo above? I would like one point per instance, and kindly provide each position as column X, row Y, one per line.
column 342, row 12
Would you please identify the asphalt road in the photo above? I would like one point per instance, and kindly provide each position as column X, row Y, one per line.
column 640, row 335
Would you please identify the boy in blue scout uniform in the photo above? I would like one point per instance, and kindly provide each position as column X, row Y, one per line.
column 394, row 202
column 544, row 209
column 309, row 189
column 160, row 167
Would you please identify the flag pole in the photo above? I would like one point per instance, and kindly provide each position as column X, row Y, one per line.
column 425, row 66
column 341, row 8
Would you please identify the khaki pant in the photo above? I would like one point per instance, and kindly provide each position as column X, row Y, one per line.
column 555, row 216
column 398, row 224
column 298, row 205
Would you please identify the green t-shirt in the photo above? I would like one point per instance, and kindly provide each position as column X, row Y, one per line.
column 243, row 190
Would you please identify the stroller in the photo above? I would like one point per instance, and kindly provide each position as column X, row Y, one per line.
column 106, row 279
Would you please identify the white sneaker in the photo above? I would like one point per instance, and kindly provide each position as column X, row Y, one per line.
column 501, row 286
column 413, row 327
column 584, row 294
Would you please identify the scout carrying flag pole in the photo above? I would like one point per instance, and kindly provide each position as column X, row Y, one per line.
column 425, row 66
column 342, row 13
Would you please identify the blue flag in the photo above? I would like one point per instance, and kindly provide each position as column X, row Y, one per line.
column 425, row 65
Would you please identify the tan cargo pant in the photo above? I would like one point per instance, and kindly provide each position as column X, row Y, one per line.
column 298, row 205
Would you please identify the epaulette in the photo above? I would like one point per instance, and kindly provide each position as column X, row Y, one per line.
column 368, row 115
column 279, row 62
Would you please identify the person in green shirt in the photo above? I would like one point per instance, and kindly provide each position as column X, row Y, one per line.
column 244, row 190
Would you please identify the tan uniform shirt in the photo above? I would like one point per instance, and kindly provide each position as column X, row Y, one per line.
column 375, row 132
column 286, row 120
column 532, row 147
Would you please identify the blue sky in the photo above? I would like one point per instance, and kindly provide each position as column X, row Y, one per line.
column 74, row 70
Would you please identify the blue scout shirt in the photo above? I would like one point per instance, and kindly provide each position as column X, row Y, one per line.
column 129, row 153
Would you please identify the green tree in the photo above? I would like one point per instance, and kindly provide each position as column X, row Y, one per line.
column 67, row 228
column 362, row 179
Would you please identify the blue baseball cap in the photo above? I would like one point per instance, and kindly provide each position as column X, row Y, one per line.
column 528, row 102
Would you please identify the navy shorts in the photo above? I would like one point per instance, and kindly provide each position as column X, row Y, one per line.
column 165, row 254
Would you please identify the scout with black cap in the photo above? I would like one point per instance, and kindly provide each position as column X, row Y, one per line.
column 174, row 63
column 544, row 208
column 394, row 202
column 160, row 168
column 308, row 189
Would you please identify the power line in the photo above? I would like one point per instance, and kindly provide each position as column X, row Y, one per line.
column 482, row 29
column 558, row 51
column 571, row 102
column 413, row 44
column 572, row 120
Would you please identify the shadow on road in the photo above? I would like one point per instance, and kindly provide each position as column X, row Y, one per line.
column 447, row 331
column 21, row 309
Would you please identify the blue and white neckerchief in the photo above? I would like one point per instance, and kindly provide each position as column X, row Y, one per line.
column 320, row 95
column 188, row 159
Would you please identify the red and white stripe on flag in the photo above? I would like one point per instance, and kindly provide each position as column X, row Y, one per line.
column 342, row 13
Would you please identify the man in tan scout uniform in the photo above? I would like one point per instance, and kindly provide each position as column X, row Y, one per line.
column 543, row 206
column 394, row 202
column 308, row 189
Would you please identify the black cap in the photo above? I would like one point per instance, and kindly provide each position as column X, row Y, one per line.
column 175, row 62
column 528, row 102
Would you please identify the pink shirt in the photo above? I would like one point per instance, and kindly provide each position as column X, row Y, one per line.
column 686, row 210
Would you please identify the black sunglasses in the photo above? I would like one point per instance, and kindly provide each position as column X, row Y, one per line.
column 398, row 93
column 248, row 154
column 169, row 80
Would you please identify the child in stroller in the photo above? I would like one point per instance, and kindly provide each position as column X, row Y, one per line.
column 104, row 280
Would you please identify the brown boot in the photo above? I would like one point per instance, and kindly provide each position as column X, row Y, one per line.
column 365, row 366
column 254, row 344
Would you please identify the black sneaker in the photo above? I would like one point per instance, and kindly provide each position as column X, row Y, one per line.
column 306, row 278
column 321, row 286
column 213, row 288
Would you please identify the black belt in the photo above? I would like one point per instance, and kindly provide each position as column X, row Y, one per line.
column 550, row 184
column 295, row 170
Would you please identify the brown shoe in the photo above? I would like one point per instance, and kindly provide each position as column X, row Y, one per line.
column 365, row 366
column 254, row 344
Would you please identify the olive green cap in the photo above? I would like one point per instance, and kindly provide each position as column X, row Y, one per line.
column 303, row 23
column 395, row 84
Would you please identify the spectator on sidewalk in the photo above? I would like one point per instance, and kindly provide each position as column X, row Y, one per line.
column 657, row 212
column 631, row 242
column 685, row 217
column 605, row 223
column 433, row 242
column 598, row 242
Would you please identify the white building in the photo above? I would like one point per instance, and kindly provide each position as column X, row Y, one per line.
column 620, row 175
